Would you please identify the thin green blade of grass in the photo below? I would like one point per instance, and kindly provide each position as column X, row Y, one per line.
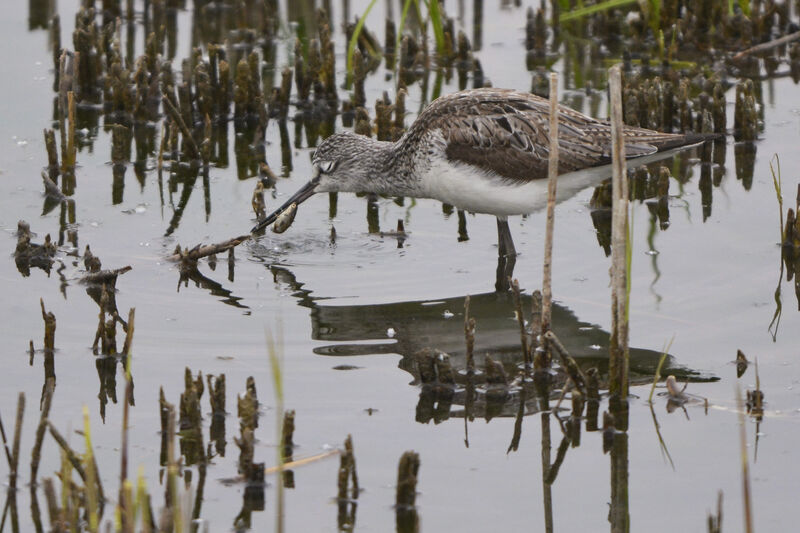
column 351, row 46
column 438, row 29
column 658, row 368
column 588, row 10
column 274, row 350
column 745, row 5
column 141, row 504
column 776, row 182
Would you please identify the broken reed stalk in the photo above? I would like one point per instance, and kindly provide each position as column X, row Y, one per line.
column 552, row 175
column 347, row 472
column 5, row 442
column 49, row 387
column 70, row 455
column 175, row 115
column 124, row 483
column 201, row 251
column 521, row 321
column 49, row 329
column 91, row 475
column 763, row 47
column 469, row 335
column 568, row 364
column 13, row 470
column 68, row 154
column 407, row 475
column 618, row 357
column 747, row 504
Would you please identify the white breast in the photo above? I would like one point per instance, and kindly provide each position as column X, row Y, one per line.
column 473, row 189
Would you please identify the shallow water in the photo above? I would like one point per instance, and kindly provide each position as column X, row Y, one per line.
column 707, row 283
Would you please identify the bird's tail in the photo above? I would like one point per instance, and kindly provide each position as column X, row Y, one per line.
column 688, row 139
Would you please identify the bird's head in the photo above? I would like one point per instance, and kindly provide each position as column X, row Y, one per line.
column 341, row 163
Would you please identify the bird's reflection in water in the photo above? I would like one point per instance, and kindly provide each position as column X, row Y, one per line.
column 406, row 328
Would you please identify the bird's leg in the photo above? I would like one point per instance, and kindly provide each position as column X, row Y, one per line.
column 505, row 244
column 506, row 256
column 505, row 271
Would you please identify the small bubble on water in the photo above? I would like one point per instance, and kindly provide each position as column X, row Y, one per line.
column 447, row 314
column 390, row 333
column 141, row 208
column 651, row 252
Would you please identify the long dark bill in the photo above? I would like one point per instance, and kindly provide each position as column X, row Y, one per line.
column 305, row 192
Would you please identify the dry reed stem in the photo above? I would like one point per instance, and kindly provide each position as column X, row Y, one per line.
column 200, row 251
column 12, row 484
column 301, row 462
column 469, row 334
column 552, row 175
column 618, row 363
column 175, row 115
column 49, row 387
column 768, row 45
column 521, row 321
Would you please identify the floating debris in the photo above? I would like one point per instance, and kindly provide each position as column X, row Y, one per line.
column 28, row 254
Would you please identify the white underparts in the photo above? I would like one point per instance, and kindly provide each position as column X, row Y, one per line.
column 479, row 191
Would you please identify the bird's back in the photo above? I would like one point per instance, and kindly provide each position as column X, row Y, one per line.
column 506, row 132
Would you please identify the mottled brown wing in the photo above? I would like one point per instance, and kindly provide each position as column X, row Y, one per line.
column 506, row 131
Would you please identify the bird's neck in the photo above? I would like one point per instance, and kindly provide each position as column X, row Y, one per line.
column 390, row 168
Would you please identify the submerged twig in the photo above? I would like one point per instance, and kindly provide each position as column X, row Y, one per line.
column 105, row 276
column 200, row 251
column 763, row 47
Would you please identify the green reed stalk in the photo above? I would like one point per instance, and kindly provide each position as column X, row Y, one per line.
column 776, row 182
column 277, row 384
column 596, row 8
column 351, row 46
column 438, row 29
column 658, row 368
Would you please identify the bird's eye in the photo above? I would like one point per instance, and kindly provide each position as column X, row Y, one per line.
column 326, row 167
